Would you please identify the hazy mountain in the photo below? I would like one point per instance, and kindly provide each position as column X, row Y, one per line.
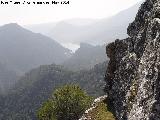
column 81, row 21
column 86, row 57
column 37, row 85
column 22, row 50
column 46, row 28
column 41, row 28
column 97, row 32
column 109, row 29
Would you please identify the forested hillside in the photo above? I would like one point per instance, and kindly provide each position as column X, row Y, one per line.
column 36, row 86
column 7, row 78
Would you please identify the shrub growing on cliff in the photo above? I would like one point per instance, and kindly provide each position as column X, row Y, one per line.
column 68, row 103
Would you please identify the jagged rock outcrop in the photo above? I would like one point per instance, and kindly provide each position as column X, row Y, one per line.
column 133, row 73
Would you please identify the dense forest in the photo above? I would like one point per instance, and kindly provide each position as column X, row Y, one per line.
column 36, row 86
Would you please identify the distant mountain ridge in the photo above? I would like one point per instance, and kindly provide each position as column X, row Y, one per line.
column 22, row 50
column 95, row 32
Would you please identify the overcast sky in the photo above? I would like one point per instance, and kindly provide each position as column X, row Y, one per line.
column 35, row 14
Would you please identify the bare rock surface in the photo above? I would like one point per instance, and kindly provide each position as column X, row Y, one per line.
column 133, row 73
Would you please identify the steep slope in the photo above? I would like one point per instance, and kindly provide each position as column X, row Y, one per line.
column 133, row 72
column 22, row 50
column 36, row 87
column 98, row 110
column 86, row 57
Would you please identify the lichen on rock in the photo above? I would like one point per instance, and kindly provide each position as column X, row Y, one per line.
column 133, row 76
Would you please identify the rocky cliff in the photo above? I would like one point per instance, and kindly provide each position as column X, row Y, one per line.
column 133, row 73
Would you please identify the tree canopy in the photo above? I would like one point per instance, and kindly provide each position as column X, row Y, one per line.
column 67, row 103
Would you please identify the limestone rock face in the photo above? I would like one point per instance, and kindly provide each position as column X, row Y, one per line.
column 133, row 73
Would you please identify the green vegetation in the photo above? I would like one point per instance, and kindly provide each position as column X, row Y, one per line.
column 68, row 103
column 100, row 112
column 33, row 89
